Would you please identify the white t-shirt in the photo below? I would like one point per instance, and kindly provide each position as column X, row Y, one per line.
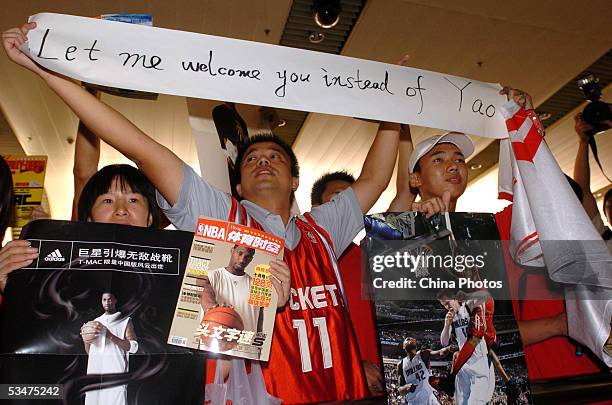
column 234, row 290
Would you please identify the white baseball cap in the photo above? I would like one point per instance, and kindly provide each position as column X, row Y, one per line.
column 459, row 139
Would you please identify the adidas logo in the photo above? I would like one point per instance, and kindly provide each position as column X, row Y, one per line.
column 55, row 256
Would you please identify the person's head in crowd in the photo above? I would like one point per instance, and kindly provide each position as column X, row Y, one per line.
column 437, row 165
column 267, row 166
column 6, row 196
column 607, row 205
column 328, row 185
column 409, row 345
column 119, row 194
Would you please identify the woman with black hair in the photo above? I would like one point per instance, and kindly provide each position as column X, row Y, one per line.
column 119, row 194
column 116, row 194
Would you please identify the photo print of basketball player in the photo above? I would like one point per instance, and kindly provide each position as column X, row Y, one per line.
column 424, row 320
column 109, row 340
column 414, row 373
column 225, row 296
column 481, row 308
column 473, row 372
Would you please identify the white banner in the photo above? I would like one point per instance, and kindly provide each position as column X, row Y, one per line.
column 203, row 66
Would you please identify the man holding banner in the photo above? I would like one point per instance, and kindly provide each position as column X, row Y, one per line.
column 299, row 371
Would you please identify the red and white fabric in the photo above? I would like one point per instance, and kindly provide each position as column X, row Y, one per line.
column 550, row 228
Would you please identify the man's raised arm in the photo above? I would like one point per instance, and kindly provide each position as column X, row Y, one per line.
column 378, row 166
column 158, row 163
column 404, row 197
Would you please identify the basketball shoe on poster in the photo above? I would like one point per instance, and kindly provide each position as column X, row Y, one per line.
column 227, row 303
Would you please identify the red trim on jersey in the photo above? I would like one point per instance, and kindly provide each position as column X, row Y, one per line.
column 525, row 150
column 521, row 152
column 322, row 231
column 504, row 196
column 232, row 214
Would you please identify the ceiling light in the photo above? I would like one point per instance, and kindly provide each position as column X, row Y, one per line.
column 316, row 37
column 543, row 116
column 476, row 166
column 326, row 13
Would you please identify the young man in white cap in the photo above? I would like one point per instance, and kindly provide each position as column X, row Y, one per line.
column 438, row 171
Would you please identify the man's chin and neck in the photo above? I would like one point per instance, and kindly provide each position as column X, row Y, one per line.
column 234, row 271
column 274, row 199
column 453, row 200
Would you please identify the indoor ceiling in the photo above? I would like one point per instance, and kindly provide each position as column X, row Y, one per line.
column 535, row 46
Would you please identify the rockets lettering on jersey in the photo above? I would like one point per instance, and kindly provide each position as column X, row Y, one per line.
column 319, row 296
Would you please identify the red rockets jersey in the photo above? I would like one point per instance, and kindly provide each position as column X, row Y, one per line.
column 489, row 333
column 314, row 356
column 555, row 357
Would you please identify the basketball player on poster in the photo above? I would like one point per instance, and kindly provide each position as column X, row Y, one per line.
column 413, row 372
column 474, row 373
column 109, row 340
column 229, row 286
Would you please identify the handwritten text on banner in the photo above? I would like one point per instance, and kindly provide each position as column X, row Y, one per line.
column 196, row 65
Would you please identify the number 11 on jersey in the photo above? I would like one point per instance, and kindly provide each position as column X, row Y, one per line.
column 321, row 325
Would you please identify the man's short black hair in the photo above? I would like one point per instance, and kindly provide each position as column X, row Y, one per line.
column 6, row 196
column 318, row 188
column 109, row 292
column 128, row 177
column 267, row 137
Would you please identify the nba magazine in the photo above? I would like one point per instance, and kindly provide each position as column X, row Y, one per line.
column 446, row 327
column 93, row 314
column 227, row 303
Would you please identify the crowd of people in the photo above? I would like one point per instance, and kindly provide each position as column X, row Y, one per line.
column 163, row 186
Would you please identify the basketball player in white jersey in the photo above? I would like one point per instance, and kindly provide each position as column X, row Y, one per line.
column 230, row 286
column 109, row 340
column 413, row 371
column 474, row 375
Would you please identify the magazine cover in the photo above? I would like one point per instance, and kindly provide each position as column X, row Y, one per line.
column 444, row 340
column 227, row 303
column 92, row 315
column 28, row 180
